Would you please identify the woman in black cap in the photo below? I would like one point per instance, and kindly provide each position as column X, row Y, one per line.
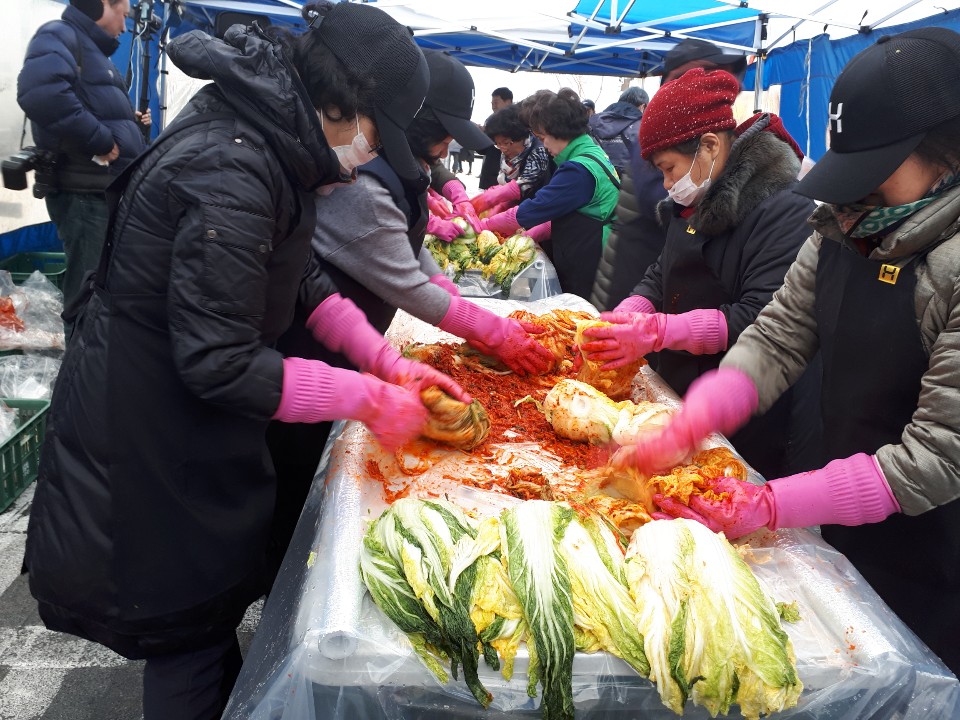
column 368, row 237
column 148, row 532
column 876, row 290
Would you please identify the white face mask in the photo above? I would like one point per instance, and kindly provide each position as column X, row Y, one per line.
column 685, row 191
column 356, row 153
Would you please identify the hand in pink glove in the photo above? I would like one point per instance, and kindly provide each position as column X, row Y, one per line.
column 504, row 338
column 342, row 327
column 700, row 332
column 496, row 195
column 446, row 230
column 635, row 304
column 505, row 223
column 718, row 401
column 455, row 193
column 438, row 205
column 851, row 491
column 313, row 391
column 441, row 280
column 540, row 233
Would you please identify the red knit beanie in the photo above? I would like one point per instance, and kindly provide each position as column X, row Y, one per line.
column 697, row 102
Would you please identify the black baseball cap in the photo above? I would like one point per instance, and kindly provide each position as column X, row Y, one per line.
column 451, row 97
column 692, row 49
column 373, row 44
column 881, row 107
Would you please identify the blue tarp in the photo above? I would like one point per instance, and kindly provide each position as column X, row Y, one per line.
column 807, row 69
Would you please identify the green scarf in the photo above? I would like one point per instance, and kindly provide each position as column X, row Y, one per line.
column 859, row 220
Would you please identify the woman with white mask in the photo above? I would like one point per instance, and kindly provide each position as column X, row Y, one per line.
column 734, row 226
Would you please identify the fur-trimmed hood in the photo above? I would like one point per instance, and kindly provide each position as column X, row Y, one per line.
column 760, row 166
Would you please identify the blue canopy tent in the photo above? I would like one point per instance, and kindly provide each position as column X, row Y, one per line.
column 806, row 70
column 624, row 38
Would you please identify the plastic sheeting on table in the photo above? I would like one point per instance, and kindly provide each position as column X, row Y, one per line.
column 324, row 650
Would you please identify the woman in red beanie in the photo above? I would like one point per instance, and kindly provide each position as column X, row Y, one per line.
column 734, row 226
column 576, row 207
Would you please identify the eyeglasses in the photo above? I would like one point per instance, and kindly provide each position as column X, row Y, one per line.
column 504, row 145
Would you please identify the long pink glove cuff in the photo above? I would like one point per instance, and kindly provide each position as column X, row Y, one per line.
column 700, row 332
column 455, row 192
column 342, row 327
column 851, row 491
column 636, row 304
column 505, row 223
column 471, row 322
column 313, row 391
column 441, row 280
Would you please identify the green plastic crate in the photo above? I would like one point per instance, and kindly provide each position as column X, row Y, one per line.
column 22, row 265
column 20, row 455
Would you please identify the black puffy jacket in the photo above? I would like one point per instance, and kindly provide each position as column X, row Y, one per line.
column 155, row 490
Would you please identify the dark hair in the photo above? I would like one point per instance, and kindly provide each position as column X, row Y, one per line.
column 689, row 147
column 424, row 132
column 329, row 83
column 503, row 93
column 634, row 95
column 506, row 122
column 941, row 145
column 560, row 114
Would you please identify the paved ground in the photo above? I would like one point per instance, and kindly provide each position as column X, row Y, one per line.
column 50, row 676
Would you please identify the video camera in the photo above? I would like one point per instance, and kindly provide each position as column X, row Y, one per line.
column 16, row 167
column 146, row 22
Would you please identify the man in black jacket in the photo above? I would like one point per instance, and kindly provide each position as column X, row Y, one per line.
column 616, row 128
column 502, row 97
column 77, row 102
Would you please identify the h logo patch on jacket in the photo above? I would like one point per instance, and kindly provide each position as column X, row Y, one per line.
column 889, row 274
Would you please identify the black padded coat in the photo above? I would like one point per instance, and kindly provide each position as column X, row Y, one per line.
column 155, row 490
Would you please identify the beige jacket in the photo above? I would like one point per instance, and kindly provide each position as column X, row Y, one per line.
column 923, row 470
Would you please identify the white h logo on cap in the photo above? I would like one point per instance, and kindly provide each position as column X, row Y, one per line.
column 836, row 116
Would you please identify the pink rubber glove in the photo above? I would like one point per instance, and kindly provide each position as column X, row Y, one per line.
column 504, row 338
column 699, row 332
column 718, row 401
column 851, row 491
column 455, row 193
column 505, row 223
column 443, row 229
column 540, row 233
column 313, row 391
column 438, row 205
column 497, row 194
column 441, row 280
column 635, row 304
column 342, row 327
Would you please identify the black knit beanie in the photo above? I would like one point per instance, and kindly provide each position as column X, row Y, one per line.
column 93, row 9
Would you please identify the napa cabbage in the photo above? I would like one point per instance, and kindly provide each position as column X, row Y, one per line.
column 710, row 631
column 531, row 534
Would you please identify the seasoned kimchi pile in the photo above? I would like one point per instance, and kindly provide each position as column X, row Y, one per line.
column 514, row 408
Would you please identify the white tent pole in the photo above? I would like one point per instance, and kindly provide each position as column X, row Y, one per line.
column 894, row 13
column 799, row 23
column 584, row 31
column 761, row 55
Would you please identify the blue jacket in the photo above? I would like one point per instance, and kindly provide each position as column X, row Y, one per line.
column 616, row 130
column 76, row 100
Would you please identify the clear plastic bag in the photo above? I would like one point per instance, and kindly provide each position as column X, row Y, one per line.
column 38, row 304
column 29, row 377
column 8, row 422
column 535, row 282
